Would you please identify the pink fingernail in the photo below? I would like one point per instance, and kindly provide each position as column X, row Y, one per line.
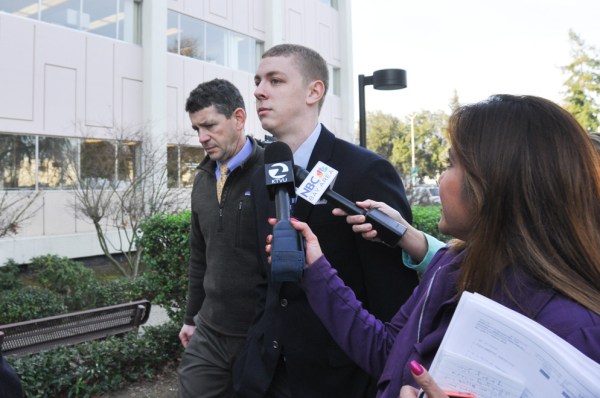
column 294, row 219
column 416, row 368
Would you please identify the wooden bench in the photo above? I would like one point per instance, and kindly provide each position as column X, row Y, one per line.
column 76, row 327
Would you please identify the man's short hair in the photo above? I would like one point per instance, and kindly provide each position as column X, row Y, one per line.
column 221, row 93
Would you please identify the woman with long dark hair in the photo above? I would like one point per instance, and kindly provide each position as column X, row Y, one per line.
column 521, row 195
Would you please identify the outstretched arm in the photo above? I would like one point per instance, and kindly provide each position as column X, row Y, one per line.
column 418, row 247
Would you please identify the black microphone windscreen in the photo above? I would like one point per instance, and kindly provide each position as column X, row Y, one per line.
column 278, row 152
column 279, row 163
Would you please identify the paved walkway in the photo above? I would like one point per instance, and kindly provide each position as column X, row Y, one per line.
column 158, row 316
column 162, row 386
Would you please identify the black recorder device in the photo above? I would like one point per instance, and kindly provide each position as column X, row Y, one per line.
column 389, row 231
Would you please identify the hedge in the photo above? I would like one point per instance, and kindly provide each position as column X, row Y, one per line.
column 166, row 242
column 100, row 366
column 96, row 367
column 426, row 218
column 62, row 285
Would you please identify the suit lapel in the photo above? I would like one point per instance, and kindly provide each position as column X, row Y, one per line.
column 322, row 151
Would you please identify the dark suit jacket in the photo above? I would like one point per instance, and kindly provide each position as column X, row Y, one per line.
column 286, row 325
column 10, row 385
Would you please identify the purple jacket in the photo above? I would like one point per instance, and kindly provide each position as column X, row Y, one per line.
column 416, row 331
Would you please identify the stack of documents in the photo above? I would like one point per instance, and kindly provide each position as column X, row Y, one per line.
column 493, row 351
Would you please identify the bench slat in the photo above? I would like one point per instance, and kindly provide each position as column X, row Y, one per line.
column 72, row 328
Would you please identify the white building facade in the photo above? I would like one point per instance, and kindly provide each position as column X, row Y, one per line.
column 74, row 74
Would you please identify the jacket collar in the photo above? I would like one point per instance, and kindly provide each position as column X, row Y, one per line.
column 322, row 151
column 210, row 166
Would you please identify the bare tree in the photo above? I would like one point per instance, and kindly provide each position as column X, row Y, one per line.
column 16, row 207
column 120, row 183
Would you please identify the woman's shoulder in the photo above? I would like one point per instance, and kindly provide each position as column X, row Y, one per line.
column 574, row 323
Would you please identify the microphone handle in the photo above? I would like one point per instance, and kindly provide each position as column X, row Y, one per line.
column 345, row 204
column 282, row 203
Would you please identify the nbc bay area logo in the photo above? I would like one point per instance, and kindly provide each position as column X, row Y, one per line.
column 316, row 182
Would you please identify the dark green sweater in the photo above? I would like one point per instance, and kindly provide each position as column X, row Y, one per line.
column 224, row 269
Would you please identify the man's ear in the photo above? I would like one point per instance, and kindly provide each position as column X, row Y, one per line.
column 316, row 92
column 240, row 116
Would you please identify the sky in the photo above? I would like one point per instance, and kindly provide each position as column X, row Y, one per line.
column 476, row 47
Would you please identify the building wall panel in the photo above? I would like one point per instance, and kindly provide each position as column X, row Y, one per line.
column 194, row 8
column 58, row 218
column 245, row 83
column 60, row 100
column 258, row 26
column 219, row 12
column 175, row 108
column 16, row 68
column 99, row 82
column 324, row 41
column 132, row 115
column 127, row 85
column 176, row 100
column 241, row 16
column 295, row 26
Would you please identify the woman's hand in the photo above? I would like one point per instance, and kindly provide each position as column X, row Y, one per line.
column 312, row 249
column 358, row 221
column 428, row 386
column 413, row 242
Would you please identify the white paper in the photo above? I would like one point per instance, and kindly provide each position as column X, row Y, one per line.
column 491, row 351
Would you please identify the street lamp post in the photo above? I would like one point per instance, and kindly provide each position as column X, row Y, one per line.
column 384, row 79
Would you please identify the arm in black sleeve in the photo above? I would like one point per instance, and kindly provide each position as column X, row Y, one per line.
column 197, row 269
column 387, row 282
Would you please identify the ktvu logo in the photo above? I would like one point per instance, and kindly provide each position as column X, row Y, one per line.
column 278, row 171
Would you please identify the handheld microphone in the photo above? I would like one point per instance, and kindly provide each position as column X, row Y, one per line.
column 389, row 231
column 287, row 249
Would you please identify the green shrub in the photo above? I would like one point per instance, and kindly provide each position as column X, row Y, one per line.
column 28, row 303
column 426, row 218
column 9, row 275
column 70, row 279
column 166, row 242
column 123, row 290
column 96, row 367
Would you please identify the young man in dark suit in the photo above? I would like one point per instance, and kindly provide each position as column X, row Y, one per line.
column 289, row 353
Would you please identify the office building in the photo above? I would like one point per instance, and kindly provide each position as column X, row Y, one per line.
column 80, row 78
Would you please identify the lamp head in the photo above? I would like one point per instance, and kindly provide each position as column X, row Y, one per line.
column 389, row 79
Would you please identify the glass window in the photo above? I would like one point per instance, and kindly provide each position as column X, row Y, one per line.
column 22, row 8
column 194, row 38
column 215, row 44
column 101, row 17
column 117, row 19
column 335, row 85
column 127, row 160
column 191, row 37
column 259, row 50
column 181, row 165
column 242, row 52
column 129, row 23
column 173, row 32
column 57, row 162
column 172, row 166
column 331, row 3
column 17, row 161
column 190, row 159
column 61, row 12
column 97, row 160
